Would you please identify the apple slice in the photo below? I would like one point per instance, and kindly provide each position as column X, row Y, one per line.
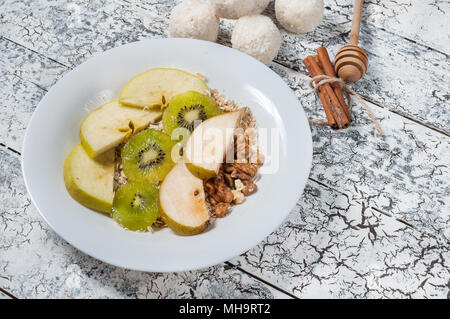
column 155, row 87
column 111, row 124
column 209, row 143
column 182, row 201
column 90, row 181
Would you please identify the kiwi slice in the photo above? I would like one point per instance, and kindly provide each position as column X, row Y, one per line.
column 135, row 205
column 147, row 156
column 186, row 108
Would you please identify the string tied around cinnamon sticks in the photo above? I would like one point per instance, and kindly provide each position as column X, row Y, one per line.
column 316, row 82
column 331, row 90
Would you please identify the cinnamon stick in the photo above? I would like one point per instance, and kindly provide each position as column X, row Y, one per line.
column 326, row 102
column 334, row 107
column 327, row 67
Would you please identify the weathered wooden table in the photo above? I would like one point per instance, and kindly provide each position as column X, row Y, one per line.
column 374, row 219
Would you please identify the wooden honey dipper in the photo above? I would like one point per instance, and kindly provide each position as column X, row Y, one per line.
column 351, row 61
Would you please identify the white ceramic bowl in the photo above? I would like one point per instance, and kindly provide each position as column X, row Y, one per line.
column 53, row 132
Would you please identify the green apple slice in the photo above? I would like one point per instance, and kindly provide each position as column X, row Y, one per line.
column 155, row 87
column 90, row 181
column 111, row 124
column 209, row 143
column 182, row 201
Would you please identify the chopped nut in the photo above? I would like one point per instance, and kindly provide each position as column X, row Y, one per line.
column 228, row 197
column 227, row 105
column 235, row 180
column 238, row 185
column 158, row 126
column 217, row 189
column 240, row 147
column 247, row 119
column 238, row 197
column 241, row 170
column 209, row 187
column 159, row 223
column 221, row 209
column 119, row 177
column 249, row 188
column 248, row 169
column 212, row 200
column 228, row 179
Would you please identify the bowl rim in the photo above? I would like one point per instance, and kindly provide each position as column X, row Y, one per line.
column 307, row 152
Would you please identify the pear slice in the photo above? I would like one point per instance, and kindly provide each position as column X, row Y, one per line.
column 111, row 124
column 90, row 181
column 182, row 201
column 209, row 143
column 155, row 87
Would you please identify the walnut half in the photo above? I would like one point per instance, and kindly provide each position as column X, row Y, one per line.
column 217, row 189
column 243, row 171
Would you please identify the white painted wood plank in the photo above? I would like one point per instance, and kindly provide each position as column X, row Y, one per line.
column 403, row 76
column 25, row 78
column 424, row 144
column 391, row 171
column 426, row 22
column 332, row 246
column 37, row 263
column 28, row 65
column 412, row 19
column 405, row 173
column 16, row 106
column 312, row 288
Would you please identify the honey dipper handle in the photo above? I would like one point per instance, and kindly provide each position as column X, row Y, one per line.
column 356, row 22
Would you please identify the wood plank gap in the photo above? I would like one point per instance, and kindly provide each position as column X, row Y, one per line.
column 27, row 81
column 261, row 280
column 36, row 52
column 326, row 186
column 399, row 220
column 381, row 212
column 296, row 69
column 406, row 223
column 367, row 99
column 410, row 225
column 10, row 149
column 410, row 40
column 8, row 294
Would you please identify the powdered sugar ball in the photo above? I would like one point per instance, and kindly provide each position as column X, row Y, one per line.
column 257, row 36
column 194, row 19
column 299, row 16
column 234, row 9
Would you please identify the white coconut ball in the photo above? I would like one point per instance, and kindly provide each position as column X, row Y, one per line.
column 194, row 19
column 234, row 9
column 299, row 16
column 257, row 36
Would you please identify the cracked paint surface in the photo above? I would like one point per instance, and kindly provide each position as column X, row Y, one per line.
column 348, row 235
column 334, row 246
column 37, row 263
